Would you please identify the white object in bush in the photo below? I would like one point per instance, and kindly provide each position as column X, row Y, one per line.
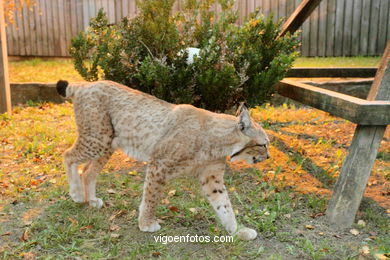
column 192, row 52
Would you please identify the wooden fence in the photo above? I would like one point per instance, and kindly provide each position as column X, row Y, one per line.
column 336, row 28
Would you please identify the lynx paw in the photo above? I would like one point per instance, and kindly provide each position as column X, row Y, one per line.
column 246, row 234
column 76, row 197
column 96, row 203
column 152, row 226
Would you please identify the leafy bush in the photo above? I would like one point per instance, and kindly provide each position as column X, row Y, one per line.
column 235, row 63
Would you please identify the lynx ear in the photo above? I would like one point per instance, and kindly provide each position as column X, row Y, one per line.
column 245, row 119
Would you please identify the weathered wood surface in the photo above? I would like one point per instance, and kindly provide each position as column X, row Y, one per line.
column 357, row 166
column 351, row 183
column 332, row 72
column 336, row 27
column 301, row 13
column 354, row 109
column 5, row 94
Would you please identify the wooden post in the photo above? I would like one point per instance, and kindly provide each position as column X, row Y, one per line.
column 299, row 16
column 350, row 186
column 5, row 93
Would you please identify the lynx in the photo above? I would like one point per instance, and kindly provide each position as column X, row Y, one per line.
column 172, row 139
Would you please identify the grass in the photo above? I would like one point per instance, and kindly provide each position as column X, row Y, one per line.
column 280, row 198
column 358, row 61
column 51, row 70
column 42, row 70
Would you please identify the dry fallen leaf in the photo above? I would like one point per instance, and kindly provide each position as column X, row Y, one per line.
column 354, row 232
column 171, row 193
column 133, row 173
column 156, row 254
column 6, row 234
column 24, row 236
column 361, row 223
column 74, row 222
column 193, row 210
column 321, row 233
column 381, row 257
column 86, row 227
column 231, row 189
column 117, row 214
column 114, row 235
column 114, row 227
column 165, row 202
column 111, row 191
column 173, row 208
column 365, row 250
column 309, row 226
column 28, row 256
column 317, row 215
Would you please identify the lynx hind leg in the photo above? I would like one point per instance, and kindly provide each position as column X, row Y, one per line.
column 89, row 180
column 95, row 135
column 213, row 187
column 73, row 159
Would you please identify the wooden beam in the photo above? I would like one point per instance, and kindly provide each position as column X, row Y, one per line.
column 354, row 109
column 298, row 17
column 357, row 166
column 5, row 93
column 332, row 72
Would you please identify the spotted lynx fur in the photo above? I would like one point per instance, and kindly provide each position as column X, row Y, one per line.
column 173, row 139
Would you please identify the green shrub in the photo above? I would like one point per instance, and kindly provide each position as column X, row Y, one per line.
column 235, row 63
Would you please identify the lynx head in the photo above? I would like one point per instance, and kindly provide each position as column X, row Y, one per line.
column 255, row 142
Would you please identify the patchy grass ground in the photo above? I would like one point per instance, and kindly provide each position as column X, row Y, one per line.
column 283, row 198
column 50, row 70
column 25, row 70
column 357, row 61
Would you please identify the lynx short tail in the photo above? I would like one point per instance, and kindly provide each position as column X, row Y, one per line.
column 61, row 87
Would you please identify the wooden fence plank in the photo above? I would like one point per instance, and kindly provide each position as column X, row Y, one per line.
column 282, row 9
column 322, row 29
column 68, row 26
column 26, row 29
column 41, row 36
column 11, row 39
column 356, row 24
column 80, row 14
column 339, row 19
column 313, row 32
column 364, row 31
column 111, row 11
column 56, row 29
column 330, row 28
column 73, row 17
column 373, row 27
column 384, row 16
column 388, row 24
column 347, row 28
column 33, row 32
column 49, row 26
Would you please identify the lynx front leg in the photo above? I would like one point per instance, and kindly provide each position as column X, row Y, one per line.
column 213, row 186
column 153, row 189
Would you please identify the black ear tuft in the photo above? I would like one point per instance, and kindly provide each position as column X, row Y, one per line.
column 61, row 87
